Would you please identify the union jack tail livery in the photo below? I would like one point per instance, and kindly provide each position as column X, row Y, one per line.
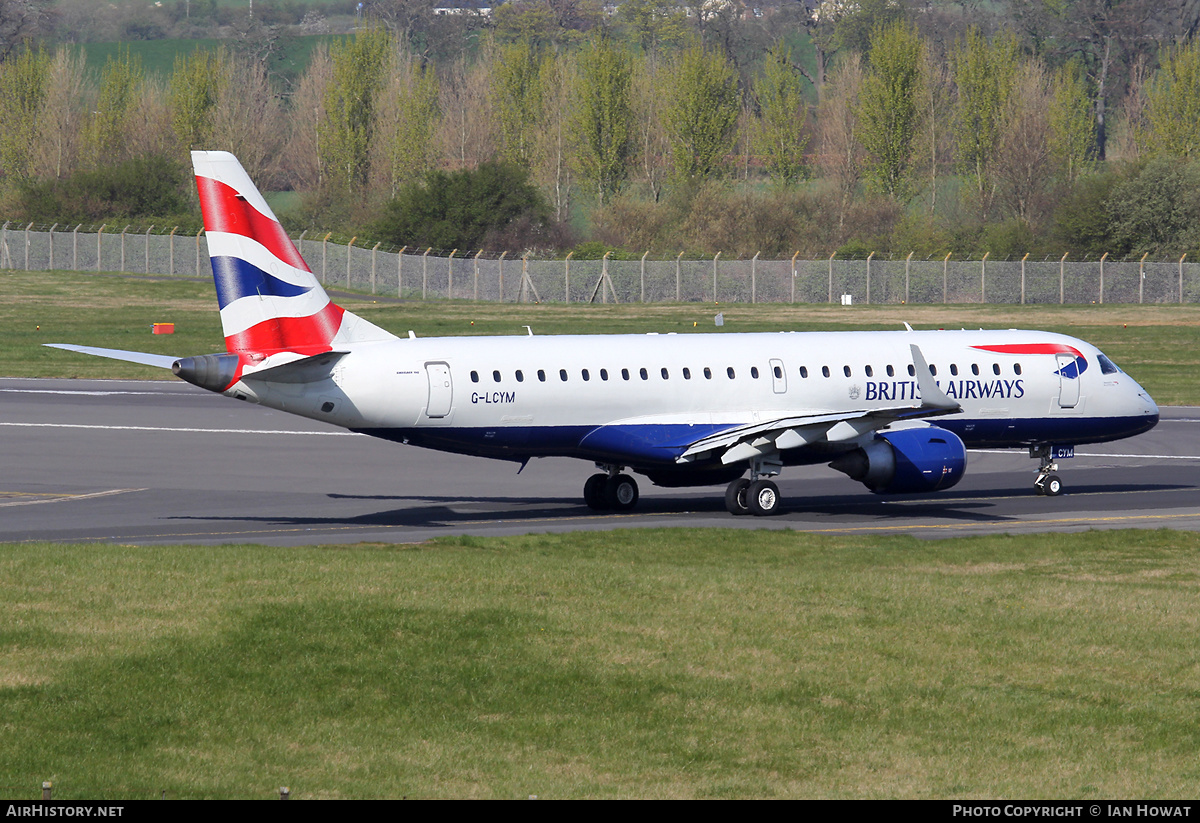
column 270, row 301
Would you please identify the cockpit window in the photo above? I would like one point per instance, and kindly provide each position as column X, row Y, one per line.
column 1107, row 366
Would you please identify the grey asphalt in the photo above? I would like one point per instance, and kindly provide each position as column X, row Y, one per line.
column 167, row 463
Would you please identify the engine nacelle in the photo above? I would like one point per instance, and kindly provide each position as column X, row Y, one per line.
column 909, row 460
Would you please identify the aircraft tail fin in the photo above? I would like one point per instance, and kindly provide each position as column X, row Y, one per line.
column 270, row 301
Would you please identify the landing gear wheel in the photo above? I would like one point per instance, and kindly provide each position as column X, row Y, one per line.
column 593, row 492
column 762, row 498
column 621, row 492
column 1052, row 486
column 735, row 497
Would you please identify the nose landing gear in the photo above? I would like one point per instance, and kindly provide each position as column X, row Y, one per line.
column 1047, row 482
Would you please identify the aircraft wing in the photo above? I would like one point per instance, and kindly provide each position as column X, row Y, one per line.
column 160, row 361
column 781, row 434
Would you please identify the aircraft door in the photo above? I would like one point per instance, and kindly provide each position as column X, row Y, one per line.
column 1068, row 387
column 778, row 376
column 441, row 390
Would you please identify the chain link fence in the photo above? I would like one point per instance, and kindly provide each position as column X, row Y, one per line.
column 424, row 275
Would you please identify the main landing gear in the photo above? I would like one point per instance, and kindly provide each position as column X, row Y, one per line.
column 611, row 491
column 755, row 495
column 1047, row 482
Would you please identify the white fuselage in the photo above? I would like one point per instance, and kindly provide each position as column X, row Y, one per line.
column 651, row 395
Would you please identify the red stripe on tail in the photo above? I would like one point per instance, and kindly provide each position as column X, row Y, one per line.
column 225, row 211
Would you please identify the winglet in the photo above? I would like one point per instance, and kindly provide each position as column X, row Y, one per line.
column 932, row 397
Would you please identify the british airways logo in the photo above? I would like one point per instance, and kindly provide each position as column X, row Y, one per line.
column 1076, row 367
column 958, row 389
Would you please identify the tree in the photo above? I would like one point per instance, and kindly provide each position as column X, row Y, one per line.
column 1157, row 211
column 108, row 134
column 64, row 108
column 655, row 24
column 1072, row 127
column 1173, row 104
column 602, row 115
column 20, row 20
column 517, row 98
column 194, row 87
column 840, row 152
column 983, row 75
column 782, row 116
column 1024, row 156
column 408, row 117
column 889, row 111
column 22, row 91
column 701, row 114
column 347, row 127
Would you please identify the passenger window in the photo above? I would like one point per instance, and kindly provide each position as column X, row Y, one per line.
column 778, row 372
column 520, row 376
column 804, row 371
column 891, row 371
column 974, row 368
column 642, row 373
column 933, row 369
column 995, row 368
column 754, row 372
column 707, row 373
column 687, row 373
column 1016, row 368
column 870, row 372
column 825, row 370
column 562, row 375
column 912, row 370
column 665, row 376
column 542, row 375
column 954, row 369
column 729, row 372
column 586, row 376
column 604, row 374
column 846, row 370
column 474, row 377
column 496, row 376
column 624, row 374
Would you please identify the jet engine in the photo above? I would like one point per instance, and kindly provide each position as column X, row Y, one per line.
column 909, row 460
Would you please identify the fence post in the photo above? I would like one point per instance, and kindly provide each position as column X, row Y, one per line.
column 349, row 248
column 74, row 248
column 324, row 255
column 643, row 276
column 374, row 250
column 198, row 233
column 99, row 246
column 476, row 293
column 754, row 277
column 1062, row 267
column 1142, row 275
column 945, row 271
column 27, row 228
column 1181, row 278
column 450, row 276
column 567, row 277
column 1023, row 259
column 983, row 277
column 1102, row 257
column 148, row 248
column 794, row 256
column 425, row 271
column 831, row 276
column 400, row 272
column 907, row 261
column 500, row 299
column 678, row 280
column 300, row 243
column 123, row 247
column 715, row 257
column 172, row 249
column 52, row 228
column 869, row 256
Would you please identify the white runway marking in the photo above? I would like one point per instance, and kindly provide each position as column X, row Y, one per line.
column 177, row 429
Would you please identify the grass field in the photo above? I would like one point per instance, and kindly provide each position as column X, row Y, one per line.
column 636, row 663
column 1156, row 344
column 674, row 663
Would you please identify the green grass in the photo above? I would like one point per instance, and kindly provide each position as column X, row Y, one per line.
column 1157, row 345
column 672, row 663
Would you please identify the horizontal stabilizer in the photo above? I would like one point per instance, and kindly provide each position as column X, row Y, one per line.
column 306, row 370
column 159, row 361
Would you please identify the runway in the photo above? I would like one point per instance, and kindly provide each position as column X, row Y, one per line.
column 167, row 463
